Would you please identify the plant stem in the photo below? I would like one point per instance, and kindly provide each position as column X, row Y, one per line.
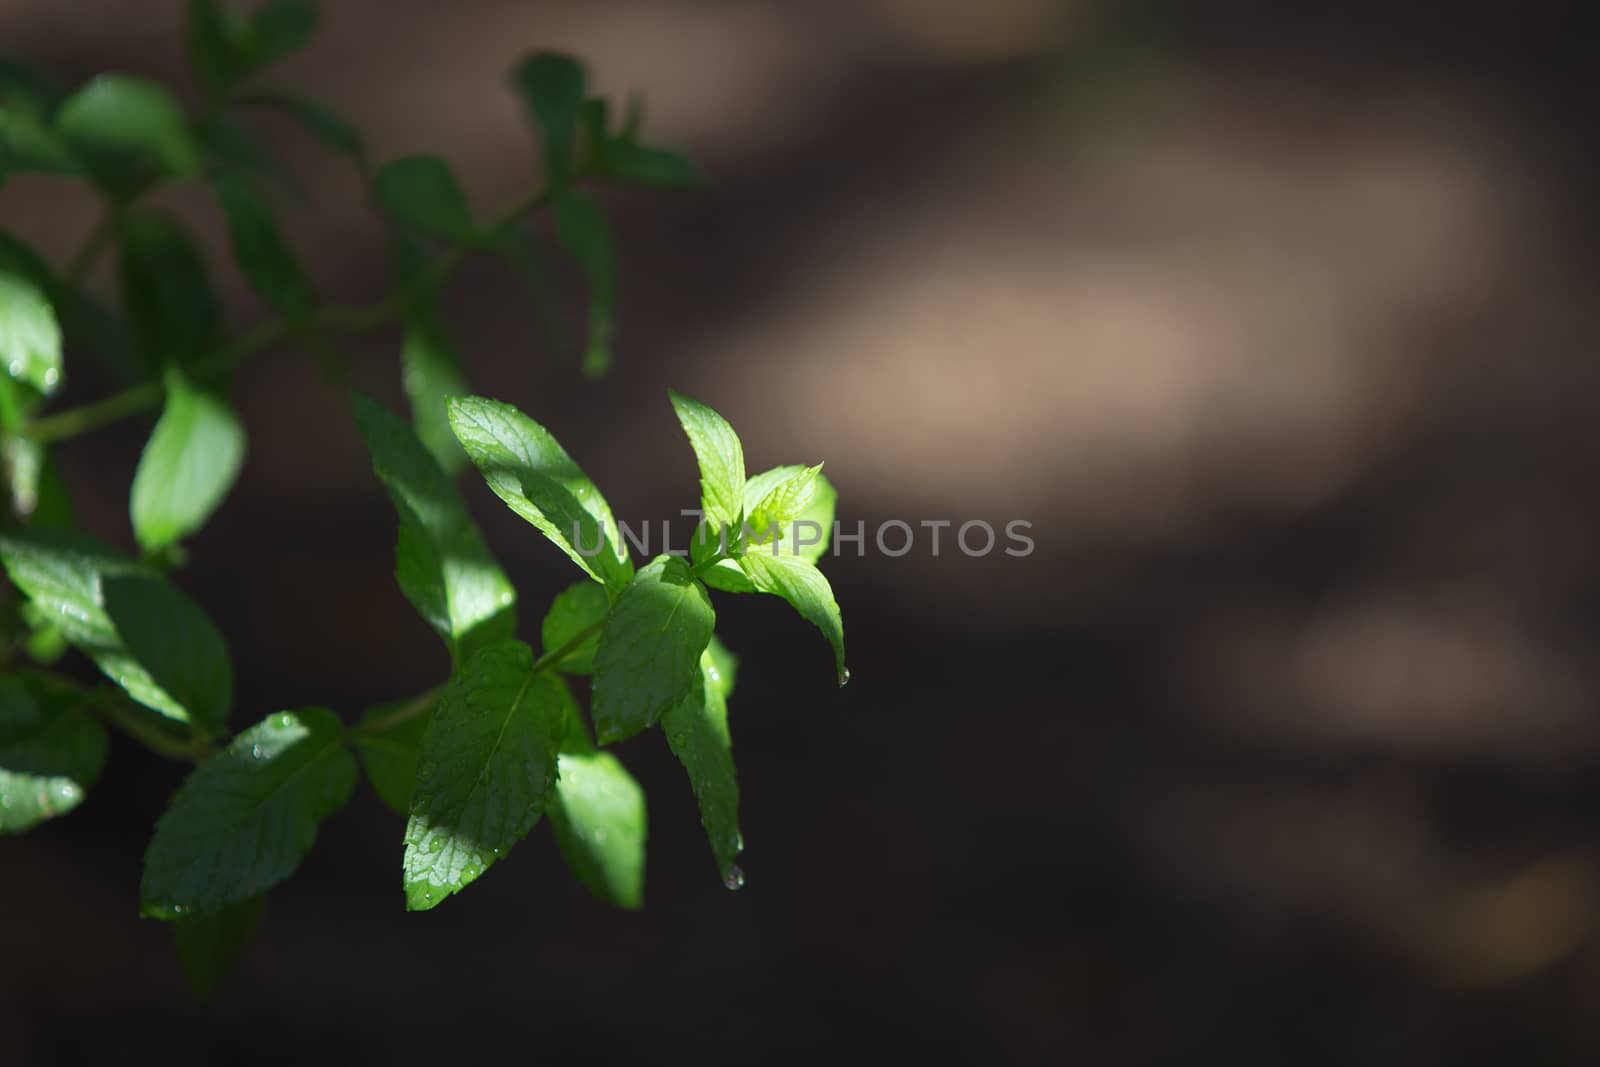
column 84, row 259
column 551, row 658
column 148, row 734
column 334, row 319
column 417, row 705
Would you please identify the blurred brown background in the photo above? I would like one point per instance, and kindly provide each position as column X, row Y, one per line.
column 1276, row 320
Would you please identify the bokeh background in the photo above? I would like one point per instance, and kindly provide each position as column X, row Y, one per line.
column 1277, row 321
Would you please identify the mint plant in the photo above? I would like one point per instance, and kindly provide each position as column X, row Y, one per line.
column 511, row 734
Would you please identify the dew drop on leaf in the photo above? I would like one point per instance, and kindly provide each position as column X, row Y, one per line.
column 734, row 878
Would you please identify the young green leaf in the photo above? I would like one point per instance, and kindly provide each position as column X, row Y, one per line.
column 166, row 291
column 721, row 459
column 697, row 732
column 171, row 638
column 598, row 817
column 65, row 575
column 211, row 945
column 785, row 502
column 243, row 820
column 30, row 337
column 552, row 88
column 422, row 192
column 430, row 373
column 192, row 459
column 390, row 738
column 51, row 751
column 487, row 773
column 576, row 609
column 806, row 590
column 442, row 564
column 805, row 532
column 128, row 131
column 334, row 132
column 259, row 249
column 533, row 474
column 582, row 231
column 650, row 648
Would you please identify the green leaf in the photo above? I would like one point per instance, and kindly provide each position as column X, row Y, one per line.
column 488, row 770
column 66, row 575
column 442, row 564
column 552, row 87
column 128, row 131
column 530, row 471
column 166, row 291
column 697, row 732
column 721, row 668
column 334, row 132
column 816, row 514
column 430, row 373
column 645, row 165
column 806, row 590
column 211, row 945
column 422, row 192
column 582, row 231
column 650, row 648
column 30, row 337
column 171, row 638
column 259, row 249
column 574, row 610
column 279, row 28
column 721, row 459
column 192, row 459
column 217, row 41
column 51, row 751
column 230, row 145
column 598, row 817
column 243, row 820
column 390, row 738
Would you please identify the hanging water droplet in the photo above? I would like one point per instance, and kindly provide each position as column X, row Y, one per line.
column 506, row 598
column 844, row 677
column 733, row 879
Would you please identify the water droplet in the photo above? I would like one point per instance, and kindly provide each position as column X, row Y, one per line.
column 15, row 368
column 734, row 878
column 738, row 841
column 285, row 721
column 434, row 846
column 255, row 751
column 506, row 598
column 51, row 378
column 844, row 676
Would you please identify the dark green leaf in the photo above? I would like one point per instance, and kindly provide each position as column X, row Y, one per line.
column 243, row 820
column 166, row 291
column 582, row 231
column 280, row 27
column 127, row 131
column 776, row 571
column 721, row 459
column 430, row 373
column 218, row 43
column 390, row 738
column 488, row 771
column 576, row 609
column 65, row 574
column 192, row 459
column 333, row 131
column 552, row 88
column 171, row 638
column 442, row 564
column 646, row 165
column 259, row 249
column 422, row 192
column 530, row 471
column 51, row 750
column 697, row 731
column 650, row 648
column 211, row 945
